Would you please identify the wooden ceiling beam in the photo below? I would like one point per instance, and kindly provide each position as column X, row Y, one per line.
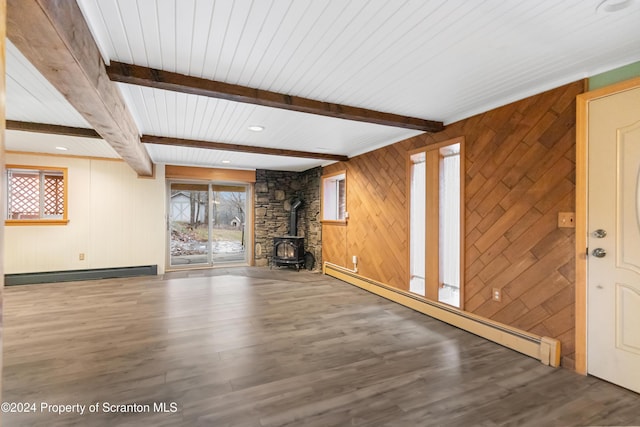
column 51, row 129
column 209, row 145
column 154, row 78
column 55, row 38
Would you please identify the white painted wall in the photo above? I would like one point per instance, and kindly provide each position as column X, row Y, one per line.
column 115, row 218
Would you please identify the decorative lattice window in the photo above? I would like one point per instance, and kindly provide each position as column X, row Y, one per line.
column 53, row 195
column 36, row 195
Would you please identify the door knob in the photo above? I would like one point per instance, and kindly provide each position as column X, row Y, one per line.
column 599, row 233
column 599, row 253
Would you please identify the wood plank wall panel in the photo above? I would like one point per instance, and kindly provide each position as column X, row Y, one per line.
column 376, row 230
column 334, row 244
column 520, row 172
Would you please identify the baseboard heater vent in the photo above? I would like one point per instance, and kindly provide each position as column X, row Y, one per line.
column 545, row 349
column 75, row 275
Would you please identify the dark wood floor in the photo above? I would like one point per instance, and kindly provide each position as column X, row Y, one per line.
column 254, row 347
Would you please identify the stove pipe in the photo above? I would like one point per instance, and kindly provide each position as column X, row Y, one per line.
column 293, row 222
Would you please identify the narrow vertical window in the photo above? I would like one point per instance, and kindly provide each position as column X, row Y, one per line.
column 449, row 291
column 435, row 192
column 417, row 223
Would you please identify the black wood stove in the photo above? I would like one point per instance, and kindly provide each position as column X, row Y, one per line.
column 289, row 250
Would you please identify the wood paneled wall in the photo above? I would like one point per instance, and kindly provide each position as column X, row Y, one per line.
column 376, row 230
column 520, row 172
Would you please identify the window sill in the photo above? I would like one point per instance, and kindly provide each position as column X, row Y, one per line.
column 333, row 222
column 9, row 222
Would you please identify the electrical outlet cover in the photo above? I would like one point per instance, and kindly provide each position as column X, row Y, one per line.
column 566, row 220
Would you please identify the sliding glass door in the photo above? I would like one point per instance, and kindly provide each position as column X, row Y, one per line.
column 228, row 223
column 207, row 224
column 189, row 224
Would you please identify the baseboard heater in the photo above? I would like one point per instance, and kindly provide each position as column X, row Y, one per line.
column 75, row 275
column 545, row 349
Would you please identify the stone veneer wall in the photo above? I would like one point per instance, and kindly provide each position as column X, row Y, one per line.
column 274, row 191
column 309, row 216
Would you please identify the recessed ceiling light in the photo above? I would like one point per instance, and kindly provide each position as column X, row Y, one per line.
column 62, row 148
column 256, row 128
column 226, row 162
column 611, row 6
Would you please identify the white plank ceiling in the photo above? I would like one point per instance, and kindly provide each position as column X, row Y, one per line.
column 433, row 59
column 21, row 141
column 31, row 98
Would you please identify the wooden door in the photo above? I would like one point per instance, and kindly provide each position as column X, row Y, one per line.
column 613, row 271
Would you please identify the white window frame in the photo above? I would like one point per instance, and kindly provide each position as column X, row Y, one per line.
column 334, row 207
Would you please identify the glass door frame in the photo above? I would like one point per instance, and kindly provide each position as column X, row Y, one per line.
column 248, row 224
